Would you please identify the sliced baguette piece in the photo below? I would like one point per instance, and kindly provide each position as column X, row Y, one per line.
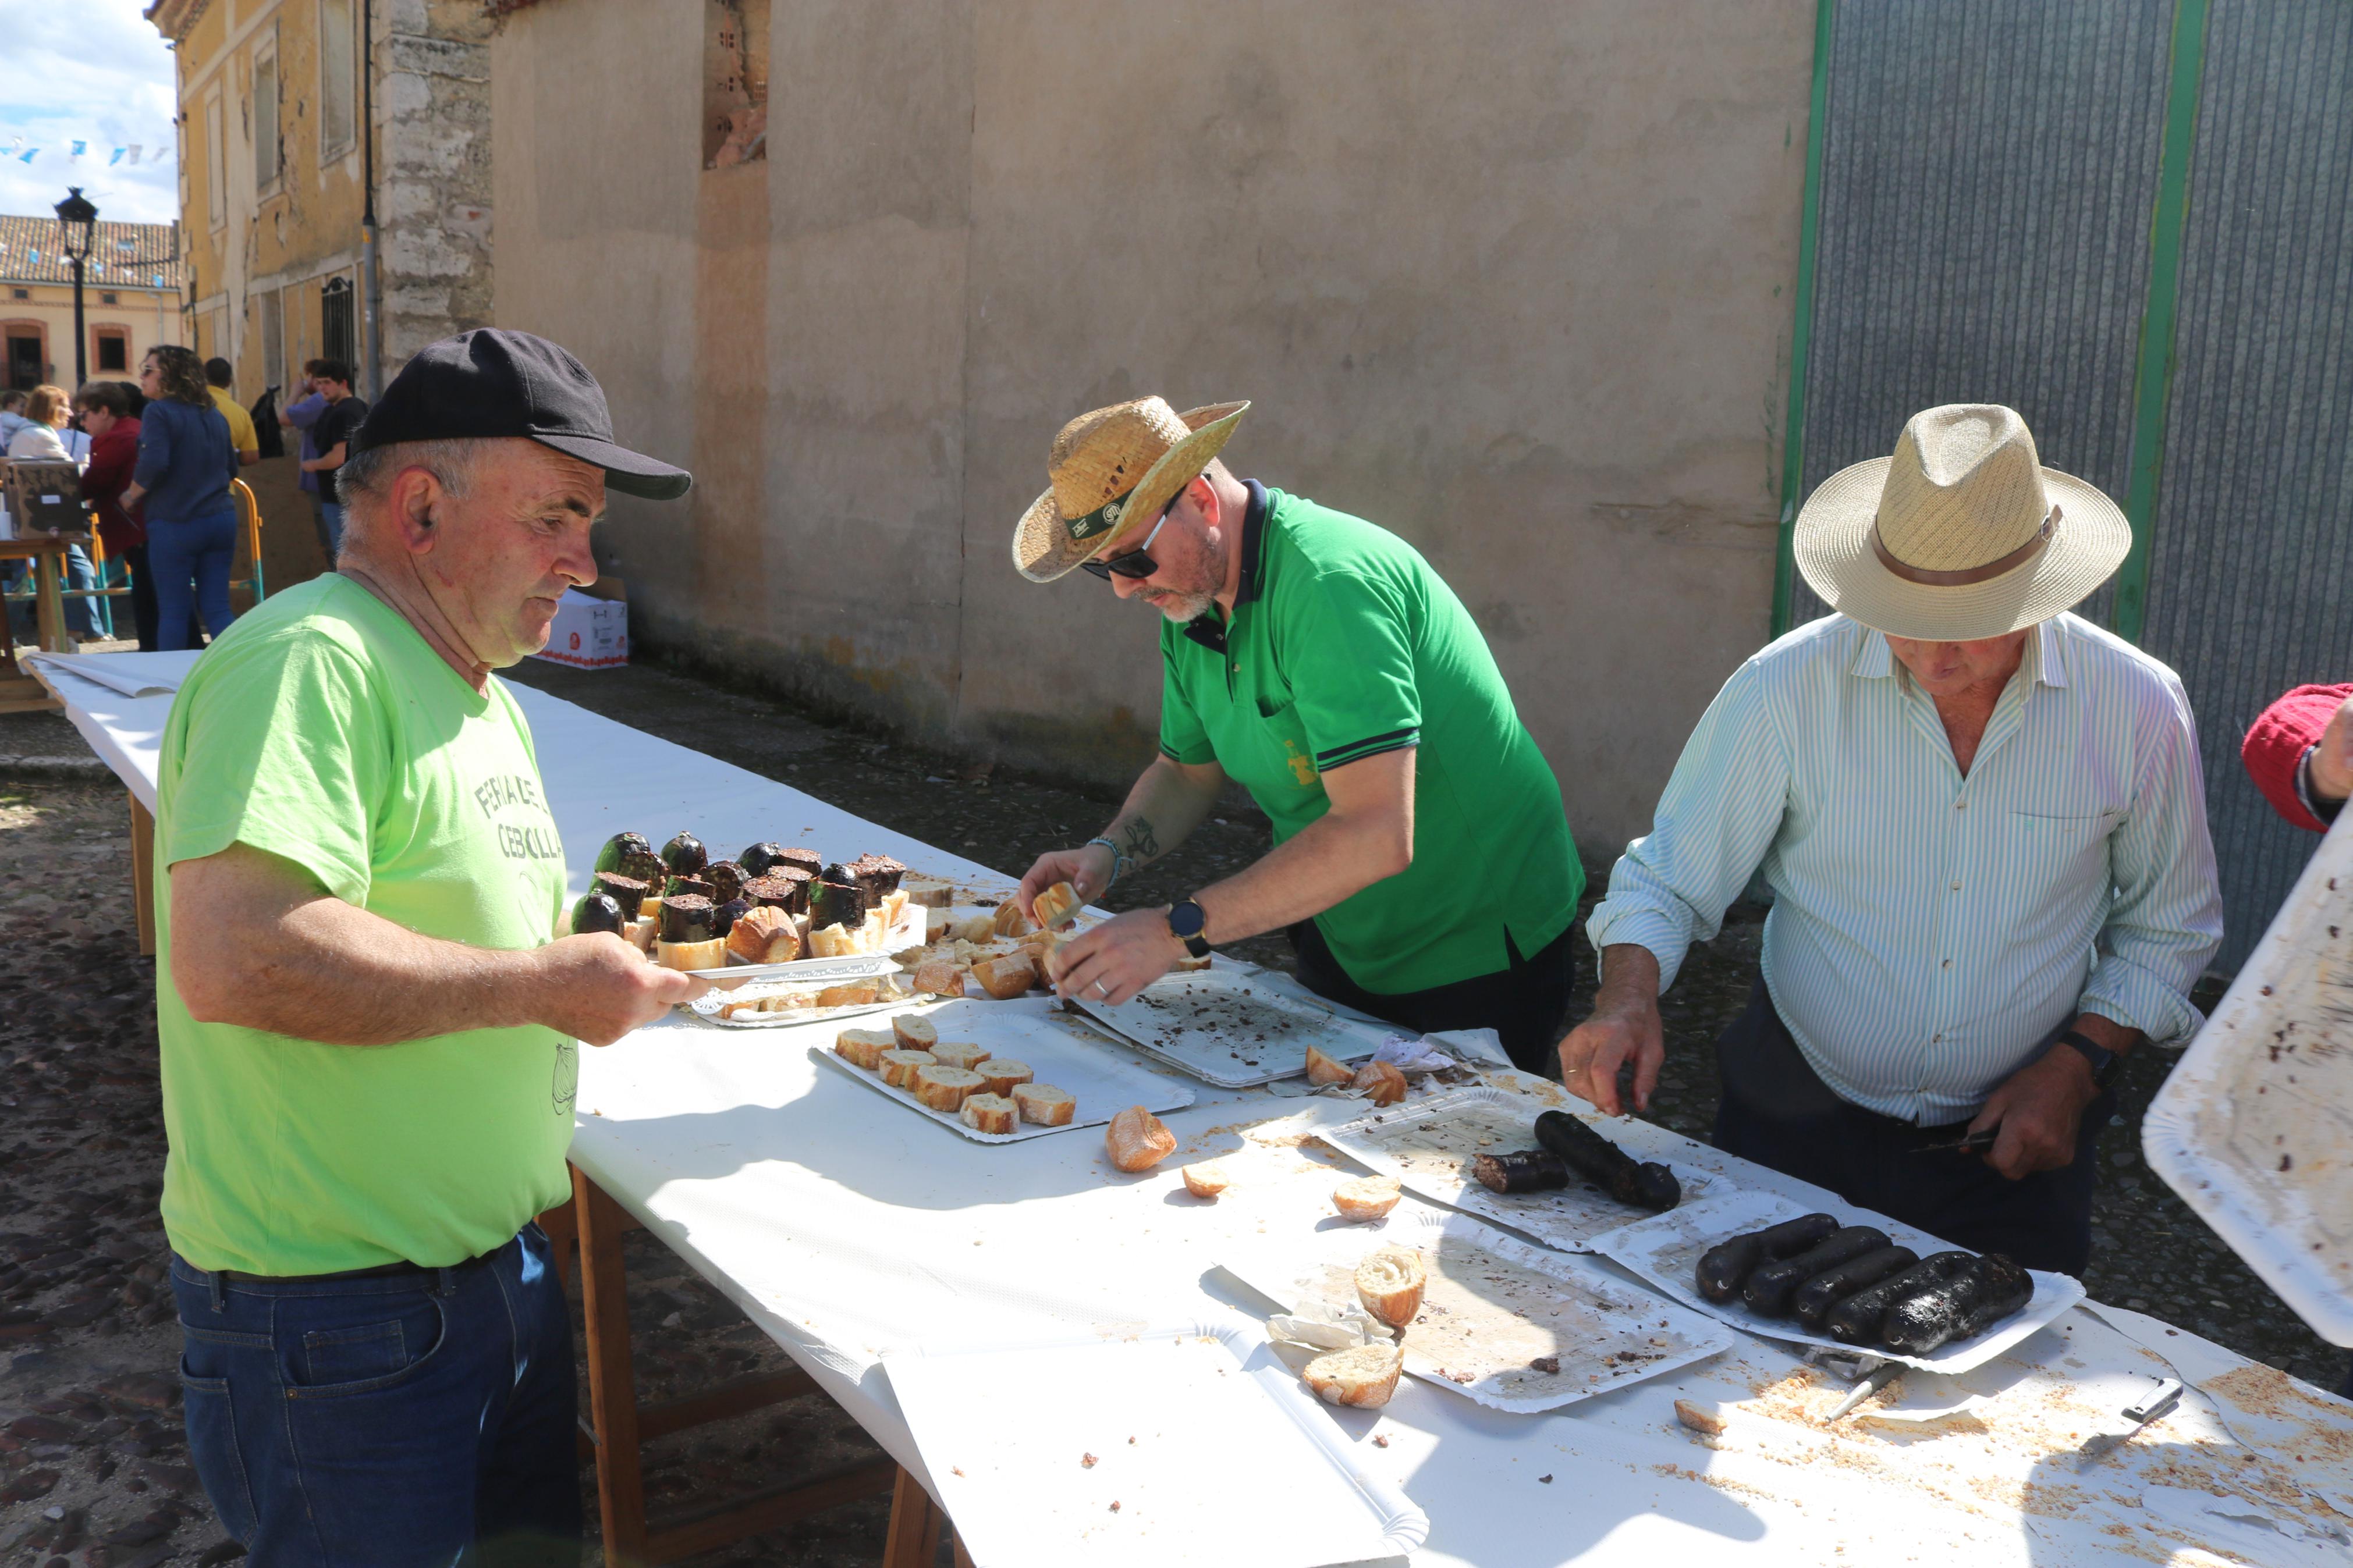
column 788, row 1001
column 1383, row 1082
column 976, row 928
column 1367, row 1198
column 1365, row 1376
column 1008, row 921
column 1008, row 977
column 898, row 1067
column 1056, row 905
column 1322, row 1069
column 1004, row 1076
column 1206, row 1178
column 691, row 955
column 863, row 1047
column 860, row 994
column 1190, row 964
column 959, row 1053
column 764, row 935
column 1138, row 1139
column 643, row 932
column 832, row 942
column 1044, row 1104
column 873, row 936
column 937, row 923
column 919, row 1035
column 990, row 1113
column 1390, row 1282
column 946, row 1088
column 930, row 892
column 940, row 977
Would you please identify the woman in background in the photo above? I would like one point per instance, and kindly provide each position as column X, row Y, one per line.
column 186, row 464
column 105, row 409
column 40, row 439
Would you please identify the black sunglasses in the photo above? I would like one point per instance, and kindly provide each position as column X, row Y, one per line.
column 1138, row 561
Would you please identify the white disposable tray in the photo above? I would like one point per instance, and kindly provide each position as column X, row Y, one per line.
column 1206, row 1450
column 1604, row 1331
column 1428, row 1145
column 2254, row 1128
column 1228, row 1028
column 1665, row 1250
column 1094, row 1073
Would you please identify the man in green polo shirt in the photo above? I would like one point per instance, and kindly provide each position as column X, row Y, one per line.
column 367, row 1014
column 1421, row 861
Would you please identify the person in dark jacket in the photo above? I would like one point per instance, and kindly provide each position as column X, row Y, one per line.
column 2300, row 754
column 186, row 464
column 105, row 410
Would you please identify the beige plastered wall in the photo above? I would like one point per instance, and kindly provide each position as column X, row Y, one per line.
column 1511, row 279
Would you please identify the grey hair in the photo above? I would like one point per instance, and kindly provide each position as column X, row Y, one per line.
column 365, row 481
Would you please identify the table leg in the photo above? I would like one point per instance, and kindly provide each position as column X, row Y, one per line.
column 916, row 1521
column 48, row 602
column 142, row 874
column 612, row 1379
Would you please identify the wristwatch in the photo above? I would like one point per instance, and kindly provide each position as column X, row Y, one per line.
column 2106, row 1063
column 1184, row 924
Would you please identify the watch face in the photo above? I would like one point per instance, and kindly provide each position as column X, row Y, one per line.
column 1185, row 920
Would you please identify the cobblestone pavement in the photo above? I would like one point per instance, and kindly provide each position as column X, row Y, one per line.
column 93, row 1466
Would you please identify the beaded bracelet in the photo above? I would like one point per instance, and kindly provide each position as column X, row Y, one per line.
column 1118, row 861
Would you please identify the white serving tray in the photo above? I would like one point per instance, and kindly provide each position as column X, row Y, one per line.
column 1665, row 1250
column 801, row 972
column 1227, row 1027
column 1095, row 1074
column 1214, row 1452
column 2254, row 1126
column 1428, row 1146
column 1606, row 1333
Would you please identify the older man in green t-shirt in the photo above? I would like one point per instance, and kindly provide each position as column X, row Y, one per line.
column 367, row 1017
column 1421, row 861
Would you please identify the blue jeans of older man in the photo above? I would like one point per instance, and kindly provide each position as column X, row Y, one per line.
column 421, row 1416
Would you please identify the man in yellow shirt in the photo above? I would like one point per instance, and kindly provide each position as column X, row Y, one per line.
column 241, row 432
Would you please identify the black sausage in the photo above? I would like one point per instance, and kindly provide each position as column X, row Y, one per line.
column 1816, row 1296
column 1855, row 1321
column 1649, row 1185
column 1768, row 1289
column 1990, row 1290
column 1724, row 1267
column 1530, row 1171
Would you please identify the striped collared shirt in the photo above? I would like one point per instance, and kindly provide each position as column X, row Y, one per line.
column 1930, row 932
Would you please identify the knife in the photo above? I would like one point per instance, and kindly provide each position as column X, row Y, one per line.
column 809, row 971
column 2160, row 1401
column 1975, row 1143
column 1874, row 1380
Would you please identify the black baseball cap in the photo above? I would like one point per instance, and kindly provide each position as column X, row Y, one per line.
column 492, row 382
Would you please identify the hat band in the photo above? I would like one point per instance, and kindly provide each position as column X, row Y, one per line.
column 1103, row 520
column 1966, row 575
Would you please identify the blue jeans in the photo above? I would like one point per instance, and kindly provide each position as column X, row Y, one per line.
column 330, row 530
column 81, row 614
column 401, row 1420
column 191, row 558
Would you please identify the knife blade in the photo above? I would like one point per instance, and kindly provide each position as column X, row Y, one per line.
column 1974, row 1143
column 809, row 971
column 1874, row 1380
column 2159, row 1401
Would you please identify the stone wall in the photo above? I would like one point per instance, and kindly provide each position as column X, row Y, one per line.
column 433, row 192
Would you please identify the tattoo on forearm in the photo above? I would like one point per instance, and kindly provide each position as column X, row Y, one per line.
column 1142, row 845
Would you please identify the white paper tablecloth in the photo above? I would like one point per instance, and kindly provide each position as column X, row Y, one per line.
column 845, row 1228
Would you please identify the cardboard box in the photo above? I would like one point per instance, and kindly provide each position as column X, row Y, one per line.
column 591, row 630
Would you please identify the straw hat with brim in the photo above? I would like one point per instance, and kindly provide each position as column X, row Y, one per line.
column 1962, row 534
column 1110, row 473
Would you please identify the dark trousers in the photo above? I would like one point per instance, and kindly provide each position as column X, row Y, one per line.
column 387, row 1419
column 142, row 598
column 1526, row 1003
column 1778, row 1111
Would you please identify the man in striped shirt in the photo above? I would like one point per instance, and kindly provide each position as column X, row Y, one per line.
column 1984, row 825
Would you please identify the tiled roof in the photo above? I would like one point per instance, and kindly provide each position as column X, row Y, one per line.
column 122, row 255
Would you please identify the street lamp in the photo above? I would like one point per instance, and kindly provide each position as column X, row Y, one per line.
column 78, row 220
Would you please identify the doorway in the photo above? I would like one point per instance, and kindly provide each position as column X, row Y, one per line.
column 23, row 361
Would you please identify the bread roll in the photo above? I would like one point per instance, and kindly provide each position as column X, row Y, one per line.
column 898, row 1067
column 1322, row 1069
column 1044, row 1104
column 959, row 1053
column 860, row 994
column 1365, row 1198
column 764, row 935
column 1008, row 921
column 1390, row 1282
column 919, row 1035
column 1138, row 1140
column 946, row 1088
column 1004, row 1076
column 990, row 1113
column 863, row 1047
column 1206, row 1179
column 1365, row 1376
column 1056, row 905
column 940, row 978
column 1384, row 1083
column 930, row 892
column 691, row 955
column 1008, row 977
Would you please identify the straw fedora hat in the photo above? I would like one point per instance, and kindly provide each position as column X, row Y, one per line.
column 1962, row 534
column 1110, row 473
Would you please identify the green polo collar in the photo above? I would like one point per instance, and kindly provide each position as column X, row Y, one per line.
column 1209, row 629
